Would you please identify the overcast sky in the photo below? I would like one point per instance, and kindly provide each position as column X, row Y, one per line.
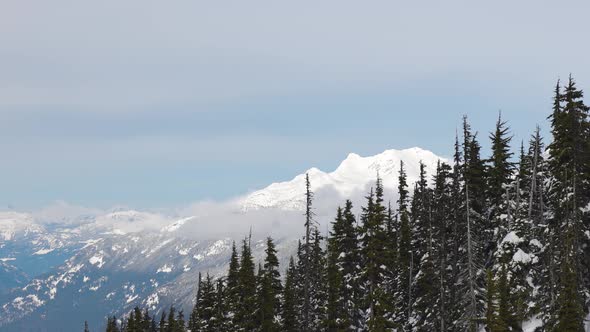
column 162, row 103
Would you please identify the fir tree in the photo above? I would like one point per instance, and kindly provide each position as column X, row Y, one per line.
column 342, row 272
column 232, row 289
column 305, row 259
column 570, row 313
column 569, row 163
column 336, row 315
column 318, row 288
column 405, row 258
column 375, row 253
column 290, row 300
column 244, row 320
column 270, row 291
column 473, row 206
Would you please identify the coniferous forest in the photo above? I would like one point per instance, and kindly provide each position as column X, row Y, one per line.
column 484, row 244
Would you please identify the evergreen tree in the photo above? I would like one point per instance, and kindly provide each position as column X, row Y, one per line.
column 270, row 291
column 432, row 281
column 336, row 315
column 194, row 323
column 569, row 161
column 112, row 325
column 343, row 306
column 244, row 320
column 220, row 320
column 570, row 315
column 289, row 315
column 306, row 268
column 492, row 321
column 86, row 329
column 375, row 252
column 405, row 256
column 499, row 176
column 232, row 289
column 471, row 262
column 203, row 319
column 317, row 286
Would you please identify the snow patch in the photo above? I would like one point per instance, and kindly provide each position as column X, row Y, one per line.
column 165, row 269
column 512, row 238
column 97, row 260
column 42, row 251
column 521, row 257
column 176, row 225
column 217, row 248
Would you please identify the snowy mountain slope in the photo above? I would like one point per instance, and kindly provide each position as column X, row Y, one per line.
column 355, row 174
column 113, row 274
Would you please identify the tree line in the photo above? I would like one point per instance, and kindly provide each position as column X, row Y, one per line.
column 483, row 243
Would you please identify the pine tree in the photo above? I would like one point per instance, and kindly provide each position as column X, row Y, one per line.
column 112, row 325
column 506, row 319
column 405, row 256
column 270, row 291
column 492, row 321
column 375, row 253
column 456, row 236
column 305, row 259
column 570, row 313
column 289, row 308
column 86, row 329
column 499, row 176
column 433, row 280
column 336, row 314
column 232, row 289
column 470, row 265
column 221, row 321
column 342, row 272
column 194, row 323
column 204, row 316
column 317, row 287
column 244, row 320
column 569, row 161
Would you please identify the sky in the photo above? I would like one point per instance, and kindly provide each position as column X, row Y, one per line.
column 154, row 104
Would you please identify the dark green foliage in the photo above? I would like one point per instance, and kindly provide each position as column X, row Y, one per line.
column 405, row 257
column 343, row 259
column 112, row 325
column 289, row 314
column 232, row 289
column 270, row 289
column 244, row 320
column 570, row 315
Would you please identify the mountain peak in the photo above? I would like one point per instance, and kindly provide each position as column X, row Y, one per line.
column 354, row 174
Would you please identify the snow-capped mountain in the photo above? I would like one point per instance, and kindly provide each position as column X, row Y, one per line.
column 84, row 267
column 355, row 174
